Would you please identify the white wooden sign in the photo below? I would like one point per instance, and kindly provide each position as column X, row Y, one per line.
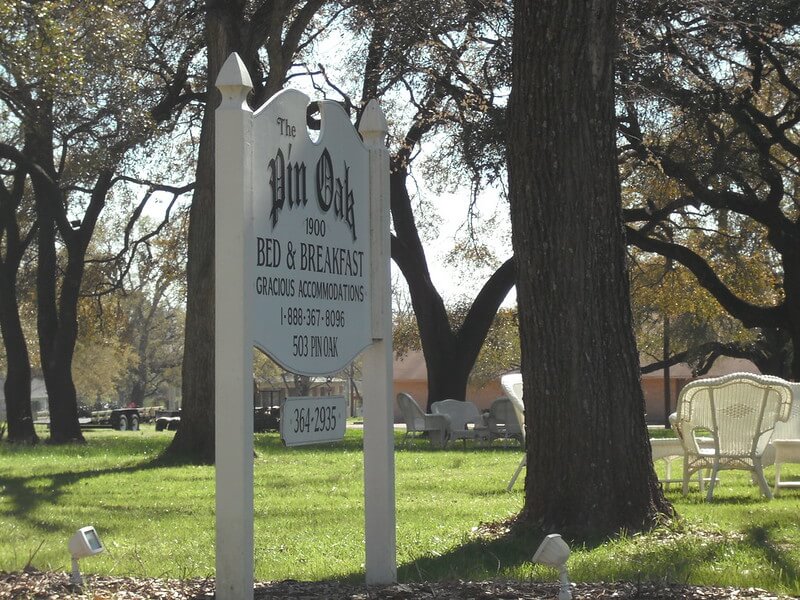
column 313, row 419
column 301, row 271
column 311, row 247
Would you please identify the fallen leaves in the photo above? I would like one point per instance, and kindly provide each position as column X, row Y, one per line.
column 37, row 585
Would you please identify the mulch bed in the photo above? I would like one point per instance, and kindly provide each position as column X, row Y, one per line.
column 43, row 585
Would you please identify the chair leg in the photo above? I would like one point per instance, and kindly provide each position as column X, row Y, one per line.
column 668, row 471
column 711, row 485
column 762, row 481
column 777, row 478
column 686, row 476
column 438, row 438
column 522, row 463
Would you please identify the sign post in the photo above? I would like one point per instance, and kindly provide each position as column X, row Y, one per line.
column 379, row 499
column 233, row 346
column 302, row 272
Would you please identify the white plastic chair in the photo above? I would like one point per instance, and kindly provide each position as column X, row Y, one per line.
column 739, row 412
column 512, row 386
column 464, row 418
column 417, row 422
column 785, row 443
column 503, row 422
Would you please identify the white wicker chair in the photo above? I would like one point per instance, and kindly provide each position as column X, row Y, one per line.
column 417, row 422
column 464, row 418
column 739, row 412
column 512, row 386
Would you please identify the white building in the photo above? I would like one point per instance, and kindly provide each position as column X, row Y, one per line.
column 38, row 397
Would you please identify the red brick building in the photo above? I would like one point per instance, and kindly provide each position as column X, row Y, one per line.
column 410, row 376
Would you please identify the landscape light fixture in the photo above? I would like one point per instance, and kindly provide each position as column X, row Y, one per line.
column 554, row 552
column 85, row 542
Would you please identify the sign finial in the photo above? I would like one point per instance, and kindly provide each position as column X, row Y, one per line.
column 373, row 127
column 233, row 81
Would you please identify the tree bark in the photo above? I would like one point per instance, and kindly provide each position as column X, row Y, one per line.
column 17, row 386
column 195, row 437
column 57, row 305
column 590, row 472
column 56, row 338
column 791, row 291
column 56, row 318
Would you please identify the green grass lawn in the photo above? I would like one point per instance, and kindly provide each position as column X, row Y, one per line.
column 157, row 519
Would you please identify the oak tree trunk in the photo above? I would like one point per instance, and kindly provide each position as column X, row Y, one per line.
column 58, row 331
column 56, row 318
column 227, row 30
column 590, row 472
column 17, row 386
column 791, row 292
column 195, row 437
column 449, row 354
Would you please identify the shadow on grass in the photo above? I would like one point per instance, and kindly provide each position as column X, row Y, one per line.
column 26, row 494
column 761, row 539
column 678, row 557
column 482, row 558
column 659, row 557
column 477, row 559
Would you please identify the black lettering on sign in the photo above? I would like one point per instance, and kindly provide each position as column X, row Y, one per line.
column 286, row 129
column 276, row 168
column 274, row 286
column 324, row 346
column 268, row 252
column 333, row 191
column 325, row 181
column 317, row 258
column 287, row 182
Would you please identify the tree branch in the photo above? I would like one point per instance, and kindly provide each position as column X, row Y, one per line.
column 749, row 314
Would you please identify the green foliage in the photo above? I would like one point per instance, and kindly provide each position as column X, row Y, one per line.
column 80, row 81
column 309, row 517
column 708, row 147
column 662, row 289
column 81, row 59
column 499, row 354
column 99, row 366
column 131, row 314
